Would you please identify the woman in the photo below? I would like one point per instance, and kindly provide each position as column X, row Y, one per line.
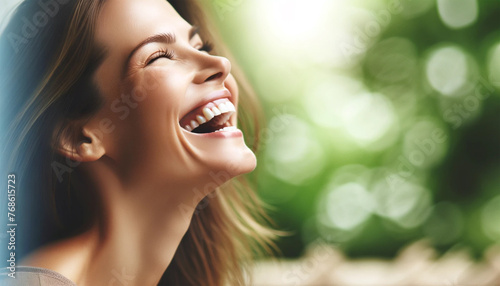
column 121, row 114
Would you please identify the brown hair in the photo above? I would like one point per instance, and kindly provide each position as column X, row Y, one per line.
column 45, row 83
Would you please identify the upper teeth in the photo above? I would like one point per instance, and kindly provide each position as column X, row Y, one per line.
column 201, row 119
column 209, row 113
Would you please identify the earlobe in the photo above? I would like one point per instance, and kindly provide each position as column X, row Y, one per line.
column 89, row 147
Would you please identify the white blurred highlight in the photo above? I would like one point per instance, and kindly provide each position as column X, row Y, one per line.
column 447, row 70
column 458, row 14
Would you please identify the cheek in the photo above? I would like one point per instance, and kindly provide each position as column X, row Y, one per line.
column 158, row 100
column 162, row 98
column 147, row 124
column 231, row 84
column 156, row 91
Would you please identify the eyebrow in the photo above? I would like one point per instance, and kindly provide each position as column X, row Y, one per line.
column 167, row 38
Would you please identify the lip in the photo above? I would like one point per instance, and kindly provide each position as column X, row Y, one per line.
column 220, row 134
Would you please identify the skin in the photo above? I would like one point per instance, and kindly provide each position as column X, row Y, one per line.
column 142, row 163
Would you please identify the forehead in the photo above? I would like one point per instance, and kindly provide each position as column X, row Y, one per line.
column 124, row 23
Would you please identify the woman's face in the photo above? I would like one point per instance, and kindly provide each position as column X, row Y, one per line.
column 159, row 84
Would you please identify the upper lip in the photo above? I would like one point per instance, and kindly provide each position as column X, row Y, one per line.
column 212, row 96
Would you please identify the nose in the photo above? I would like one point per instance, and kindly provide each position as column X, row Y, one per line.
column 212, row 69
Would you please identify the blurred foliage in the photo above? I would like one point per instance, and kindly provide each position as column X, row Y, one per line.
column 383, row 119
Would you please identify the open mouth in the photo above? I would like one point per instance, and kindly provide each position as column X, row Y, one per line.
column 212, row 117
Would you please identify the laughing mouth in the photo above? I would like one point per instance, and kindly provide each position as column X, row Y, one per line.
column 212, row 117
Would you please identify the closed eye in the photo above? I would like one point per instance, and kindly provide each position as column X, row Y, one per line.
column 163, row 53
column 158, row 55
column 206, row 47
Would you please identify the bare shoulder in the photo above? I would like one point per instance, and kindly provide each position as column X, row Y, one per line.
column 67, row 257
column 50, row 256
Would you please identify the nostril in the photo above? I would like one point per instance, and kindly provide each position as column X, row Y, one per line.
column 214, row 76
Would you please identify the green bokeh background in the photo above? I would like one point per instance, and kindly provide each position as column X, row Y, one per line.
column 382, row 119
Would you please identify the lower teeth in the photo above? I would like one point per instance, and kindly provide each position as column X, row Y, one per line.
column 229, row 128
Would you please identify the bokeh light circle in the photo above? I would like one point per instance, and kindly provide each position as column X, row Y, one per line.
column 447, row 70
column 490, row 218
column 292, row 150
column 458, row 14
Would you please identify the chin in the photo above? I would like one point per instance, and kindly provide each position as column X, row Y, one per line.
column 242, row 163
column 231, row 162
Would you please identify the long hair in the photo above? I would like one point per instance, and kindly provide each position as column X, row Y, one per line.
column 46, row 68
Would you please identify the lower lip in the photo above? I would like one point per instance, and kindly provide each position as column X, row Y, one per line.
column 222, row 134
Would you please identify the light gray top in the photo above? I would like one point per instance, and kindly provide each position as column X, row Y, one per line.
column 33, row 276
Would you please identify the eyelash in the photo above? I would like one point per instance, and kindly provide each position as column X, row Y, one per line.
column 163, row 53
column 207, row 47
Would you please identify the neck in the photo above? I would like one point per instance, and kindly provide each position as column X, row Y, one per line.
column 139, row 236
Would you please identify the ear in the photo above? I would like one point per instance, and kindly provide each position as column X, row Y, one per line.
column 84, row 145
